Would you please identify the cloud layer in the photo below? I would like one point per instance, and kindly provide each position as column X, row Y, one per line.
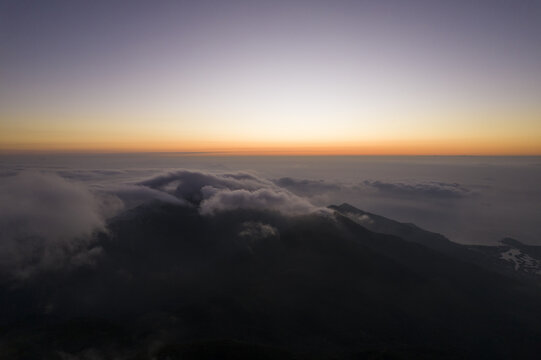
column 44, row 219
column 48, row 221
column 307, row 187
column 431, row 189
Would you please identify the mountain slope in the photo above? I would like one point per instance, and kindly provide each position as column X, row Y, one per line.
column 310, row 286
column 487, row 257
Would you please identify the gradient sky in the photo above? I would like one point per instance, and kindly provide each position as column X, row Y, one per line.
column 350, row 77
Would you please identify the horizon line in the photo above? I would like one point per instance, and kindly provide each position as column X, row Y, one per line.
column 253, row 153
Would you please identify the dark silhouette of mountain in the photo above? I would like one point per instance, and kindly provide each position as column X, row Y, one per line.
column 488, row 257
column 407, row 231
column 173, row 284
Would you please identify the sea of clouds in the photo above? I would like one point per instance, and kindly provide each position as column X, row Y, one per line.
column 50, row 208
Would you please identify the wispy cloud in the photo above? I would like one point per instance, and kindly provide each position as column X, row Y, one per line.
column 431, row 189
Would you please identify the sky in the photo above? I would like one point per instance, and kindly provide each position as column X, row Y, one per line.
column 271, row 77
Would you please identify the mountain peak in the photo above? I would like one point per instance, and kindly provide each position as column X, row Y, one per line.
column 346, row 207
column 511, row 242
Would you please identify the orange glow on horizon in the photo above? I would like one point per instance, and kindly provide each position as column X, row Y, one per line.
column 491, row 135
column 384, row 148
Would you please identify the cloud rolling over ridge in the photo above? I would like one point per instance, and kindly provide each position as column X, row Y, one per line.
column 47, row 221
column 44, row 219
column 230, row 191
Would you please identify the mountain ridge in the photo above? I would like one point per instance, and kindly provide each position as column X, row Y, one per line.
column 313, row 286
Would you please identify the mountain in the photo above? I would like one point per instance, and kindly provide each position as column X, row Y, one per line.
column 525, row 260
column 407, row 231
column 174, row 284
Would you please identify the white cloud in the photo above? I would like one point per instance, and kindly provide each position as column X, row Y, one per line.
column 215, row 192
column 216, row 200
